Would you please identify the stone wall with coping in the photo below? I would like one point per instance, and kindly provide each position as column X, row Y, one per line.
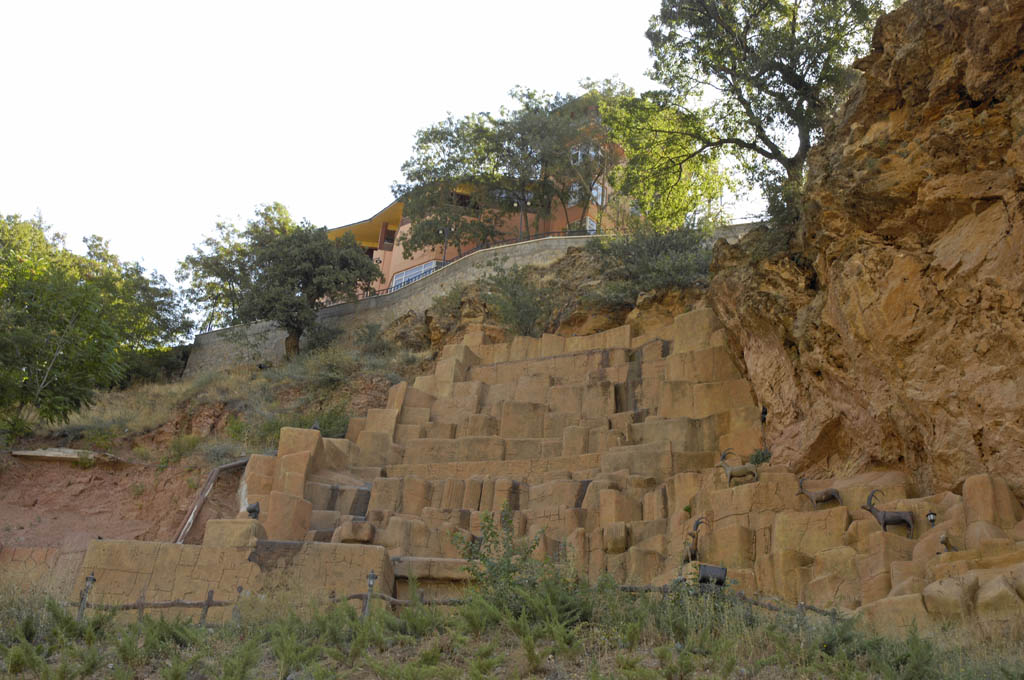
column 170, row 571
column 263, row 341
column 49, row 570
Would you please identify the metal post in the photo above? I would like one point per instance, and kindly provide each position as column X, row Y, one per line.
column 141, row 603
column 371, row 578
column 89, row 580
column 236, row 616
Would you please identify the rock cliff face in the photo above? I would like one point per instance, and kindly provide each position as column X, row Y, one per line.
column 891, row 335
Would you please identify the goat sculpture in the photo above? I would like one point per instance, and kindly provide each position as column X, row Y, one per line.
column 944, row 541
column 690, row 548
column 890, row 517
column 744, row 470
column 819, row 496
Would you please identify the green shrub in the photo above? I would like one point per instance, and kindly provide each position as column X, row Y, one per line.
column 370, row 340
column 447, row 307
column 242, row 658
column 218, row 452
column 23, row 657
column 184, row 444
column 419, row 619
column 100, row 439
column 518, row 303
column 500, row 563
column 333, row 422
column 645, row 258
column 149, row 365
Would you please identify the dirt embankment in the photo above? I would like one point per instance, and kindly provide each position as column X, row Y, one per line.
column 891, row 335
column 54, row 504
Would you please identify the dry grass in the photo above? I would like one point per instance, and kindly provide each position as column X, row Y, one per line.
column 220, row 415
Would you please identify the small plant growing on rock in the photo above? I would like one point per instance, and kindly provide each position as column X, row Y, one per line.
column 761, row 456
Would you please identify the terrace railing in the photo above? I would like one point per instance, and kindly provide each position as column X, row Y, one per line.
column 387, row 290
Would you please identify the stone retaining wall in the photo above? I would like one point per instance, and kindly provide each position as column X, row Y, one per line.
column 49, row 570
column 233, row 556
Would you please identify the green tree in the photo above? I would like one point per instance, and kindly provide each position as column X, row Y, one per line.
column 218, row 272
column 778, row 69
column 524, row 147
column 444, row 192
column 664, row 179
column 146, row 310
column 467, row 176
column 276, row 270
column 68, row 322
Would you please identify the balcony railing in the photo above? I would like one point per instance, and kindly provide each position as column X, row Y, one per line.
column 387, row 290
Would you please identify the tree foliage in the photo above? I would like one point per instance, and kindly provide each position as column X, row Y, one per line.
column 468, row 176
column 276, row 270
column 777, row 68
column 69, row 323
column 645, row 258
column 654, row 138
column 441, row 192
column 518, row 302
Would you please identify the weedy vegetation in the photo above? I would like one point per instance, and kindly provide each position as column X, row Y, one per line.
column 522, row 618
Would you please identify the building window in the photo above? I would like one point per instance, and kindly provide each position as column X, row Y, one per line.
column 416, row 273
column 579, row 154
column 597, row 191
column 574, row 194
column 591, row 225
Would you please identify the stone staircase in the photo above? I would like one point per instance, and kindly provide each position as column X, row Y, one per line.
column 580, row 437
column 605, row 448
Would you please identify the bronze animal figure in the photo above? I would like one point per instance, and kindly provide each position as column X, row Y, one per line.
column 819, row 496
column 890, row 517
column 744, row 470
column 690, row 547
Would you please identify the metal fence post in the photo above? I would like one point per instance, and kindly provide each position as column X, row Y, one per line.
column 371, row 578
column 141, row 603
column 89, row 580
column 236, row 615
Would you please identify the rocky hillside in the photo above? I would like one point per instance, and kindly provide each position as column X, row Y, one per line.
column 891, row 334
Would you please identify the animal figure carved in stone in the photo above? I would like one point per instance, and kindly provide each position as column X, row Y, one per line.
column 690, row 547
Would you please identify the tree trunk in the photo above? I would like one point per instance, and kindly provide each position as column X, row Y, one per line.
column 291, row 344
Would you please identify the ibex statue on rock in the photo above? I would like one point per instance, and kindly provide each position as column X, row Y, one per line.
column 744, row 470
column 690, row 548
column 890, row 517
column 819, row 496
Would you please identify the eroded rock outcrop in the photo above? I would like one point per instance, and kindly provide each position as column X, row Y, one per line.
column 891, row 335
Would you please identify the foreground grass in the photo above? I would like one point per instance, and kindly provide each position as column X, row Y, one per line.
column 560, row 628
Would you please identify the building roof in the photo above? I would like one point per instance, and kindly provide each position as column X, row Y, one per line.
column 367, row 232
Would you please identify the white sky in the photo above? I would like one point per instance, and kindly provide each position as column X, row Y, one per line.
column 147, row 122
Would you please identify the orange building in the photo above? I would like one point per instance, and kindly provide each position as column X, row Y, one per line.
column 381, row 236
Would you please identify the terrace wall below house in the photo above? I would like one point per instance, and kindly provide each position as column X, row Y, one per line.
column 263, row 341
